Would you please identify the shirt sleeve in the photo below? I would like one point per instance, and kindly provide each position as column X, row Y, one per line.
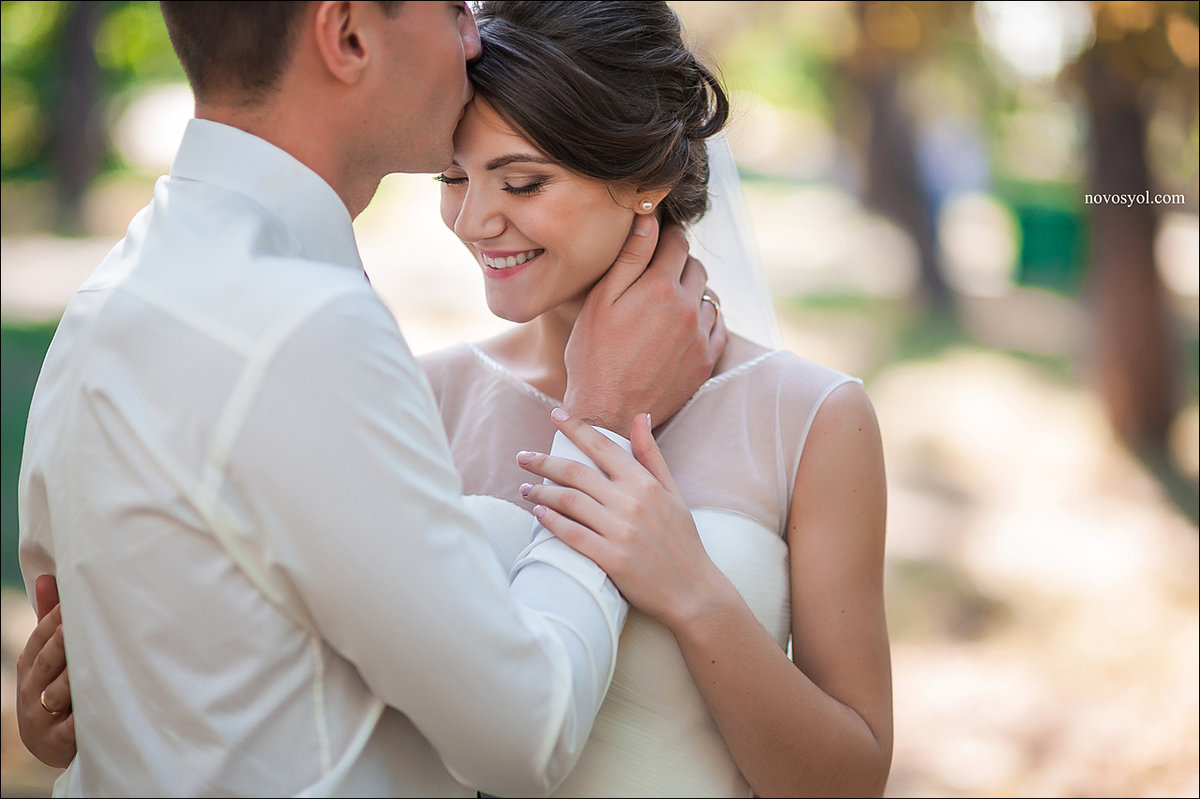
column 342, row 467
column 562, row 586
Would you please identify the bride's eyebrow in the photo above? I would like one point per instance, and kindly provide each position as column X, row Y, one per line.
column 514, row 158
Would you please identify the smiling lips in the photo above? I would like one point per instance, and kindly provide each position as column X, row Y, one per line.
column 500, row 261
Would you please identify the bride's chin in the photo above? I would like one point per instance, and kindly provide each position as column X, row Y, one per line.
column 517, row 315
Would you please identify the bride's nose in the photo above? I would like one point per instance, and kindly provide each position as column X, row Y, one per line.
column 479, row 217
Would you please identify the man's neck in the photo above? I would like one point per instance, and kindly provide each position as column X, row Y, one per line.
column 302, row 137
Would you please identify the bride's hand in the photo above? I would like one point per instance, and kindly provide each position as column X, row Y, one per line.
column 633, row 523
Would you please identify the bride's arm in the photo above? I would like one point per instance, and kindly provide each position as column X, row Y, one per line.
column 821, row 725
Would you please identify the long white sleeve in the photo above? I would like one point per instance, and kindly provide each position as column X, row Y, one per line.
column 564, row 588
column 399, row 577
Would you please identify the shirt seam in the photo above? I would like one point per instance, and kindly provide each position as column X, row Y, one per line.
column 229, row 424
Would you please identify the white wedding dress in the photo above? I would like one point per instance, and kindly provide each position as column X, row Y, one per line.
column 733, row 450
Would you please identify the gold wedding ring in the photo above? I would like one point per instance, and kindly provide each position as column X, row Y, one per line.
column 706, row 297
column 46, row 708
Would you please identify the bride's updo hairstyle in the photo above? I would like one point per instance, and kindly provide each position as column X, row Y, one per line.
column 606, row 89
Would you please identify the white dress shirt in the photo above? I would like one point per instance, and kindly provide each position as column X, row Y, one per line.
column 236, row 470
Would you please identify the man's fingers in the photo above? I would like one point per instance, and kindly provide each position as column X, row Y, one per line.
column 44, row 720
column 46, row 675
column 695, row 284
column 59, row 736
column 45, row 594
column 710, row 307
column 63, row 734
column 718, row 337
column 671, row 257
column 694, row 278
column 42, row 633
column 49, row 676
column 634, row 257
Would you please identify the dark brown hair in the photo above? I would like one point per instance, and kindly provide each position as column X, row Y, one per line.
column 607, row 89
column 238, row 48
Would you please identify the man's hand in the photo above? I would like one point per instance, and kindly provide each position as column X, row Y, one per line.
column 44, row 716
column 644, row 341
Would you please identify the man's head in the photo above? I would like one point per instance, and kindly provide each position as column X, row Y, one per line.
column 234, row 51
column 353, row 89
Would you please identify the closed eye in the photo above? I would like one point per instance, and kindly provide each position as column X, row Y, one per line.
column 449, row 181
column 530, row 188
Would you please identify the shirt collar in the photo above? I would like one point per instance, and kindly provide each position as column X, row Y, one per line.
column 241, row 162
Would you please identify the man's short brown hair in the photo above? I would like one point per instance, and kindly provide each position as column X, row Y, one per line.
column 238, row 48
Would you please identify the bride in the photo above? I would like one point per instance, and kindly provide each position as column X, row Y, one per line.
column 588, row 115
column 756, row 659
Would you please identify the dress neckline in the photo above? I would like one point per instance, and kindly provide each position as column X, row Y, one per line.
column 509, row 376
column 529, row 390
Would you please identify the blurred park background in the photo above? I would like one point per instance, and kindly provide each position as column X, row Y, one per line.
column 918, row 177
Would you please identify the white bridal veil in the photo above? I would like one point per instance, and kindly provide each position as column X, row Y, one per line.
column 723, row 240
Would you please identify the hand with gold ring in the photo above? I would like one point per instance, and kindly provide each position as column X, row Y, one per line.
column 642, row 343
column 45, row 707
column 710, row 297
column 44, row 716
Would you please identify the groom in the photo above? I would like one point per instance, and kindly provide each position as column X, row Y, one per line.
column 236, row 471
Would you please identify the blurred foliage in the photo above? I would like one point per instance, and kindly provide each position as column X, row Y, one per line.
column 1033, row 104
column 22, row 349
column 131, row 48
column 1053, row 247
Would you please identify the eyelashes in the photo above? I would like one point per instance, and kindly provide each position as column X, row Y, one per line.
column 517, row 191
column 530, row 188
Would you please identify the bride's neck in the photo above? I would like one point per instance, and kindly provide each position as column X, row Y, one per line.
column 534, row 351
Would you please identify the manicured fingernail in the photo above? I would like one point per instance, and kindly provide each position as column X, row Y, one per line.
column 649, row 424
column 559, row 415
column 525, row 489
column 641, row 227
column 539, row 511
column 524, row 457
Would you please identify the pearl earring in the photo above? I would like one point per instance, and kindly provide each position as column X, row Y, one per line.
column 647, row 205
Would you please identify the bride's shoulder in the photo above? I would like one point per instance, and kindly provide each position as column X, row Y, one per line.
column 787, row 370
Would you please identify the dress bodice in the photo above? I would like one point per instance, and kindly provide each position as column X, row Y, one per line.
column 733, row 449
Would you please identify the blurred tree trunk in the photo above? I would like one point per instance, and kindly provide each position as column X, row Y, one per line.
column 1131, row 346
column 894, row 185
column 77, row 131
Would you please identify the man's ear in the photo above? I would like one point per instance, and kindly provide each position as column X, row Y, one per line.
column 341, row 39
